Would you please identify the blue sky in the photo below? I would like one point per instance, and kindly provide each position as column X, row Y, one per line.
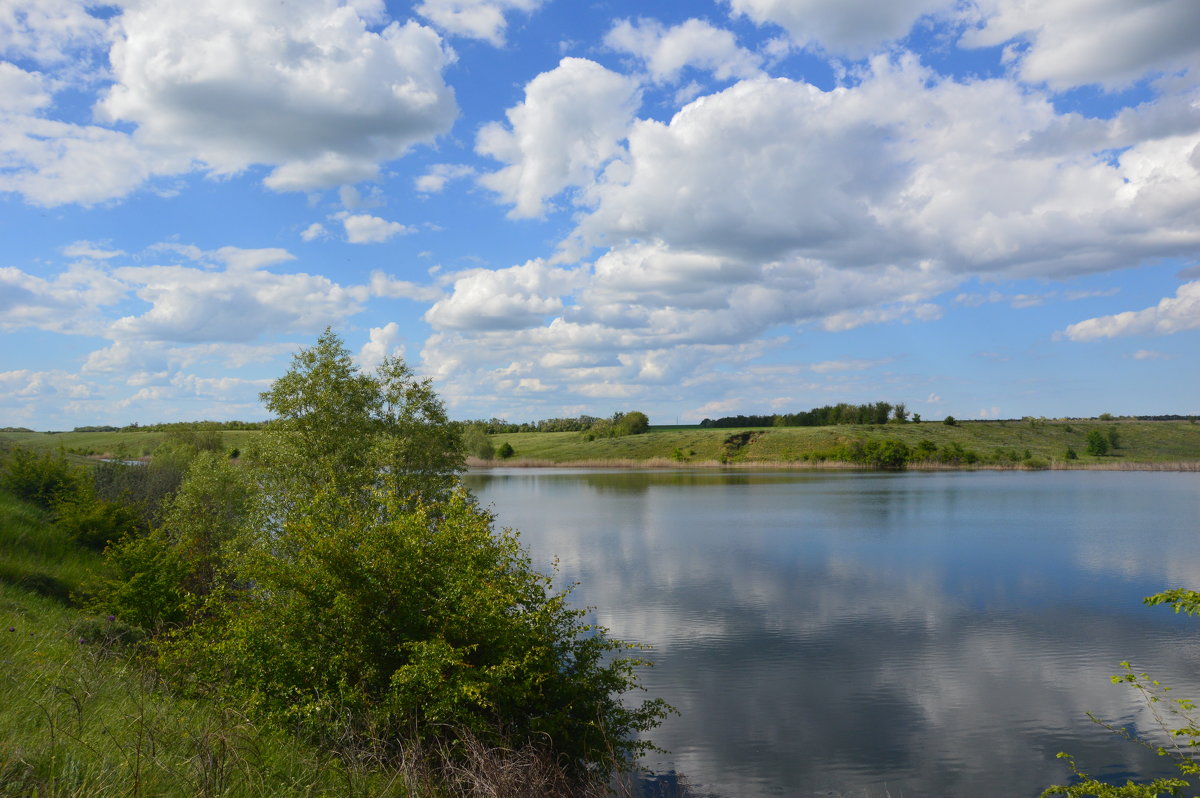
column 551, row 207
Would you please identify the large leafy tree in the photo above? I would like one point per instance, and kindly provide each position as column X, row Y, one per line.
column 341, row 429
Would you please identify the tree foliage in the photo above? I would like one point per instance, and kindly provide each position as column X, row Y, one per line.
column 1177, row 736
column 1097, row 443
column 352, row 589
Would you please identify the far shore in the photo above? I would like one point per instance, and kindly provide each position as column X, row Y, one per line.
column 662, row 463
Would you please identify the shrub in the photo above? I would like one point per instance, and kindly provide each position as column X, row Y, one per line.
column 1097, row 443
column 1071, row 454
column 371, row 600
column 93, row 522
column 43, row 479
column 417, row 621
column 505, row 451
column 477, row 443
column 950, row 421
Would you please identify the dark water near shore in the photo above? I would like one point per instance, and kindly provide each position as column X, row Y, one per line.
column 844, row 634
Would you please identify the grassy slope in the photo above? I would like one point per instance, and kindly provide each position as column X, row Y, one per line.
column 79, row 717
column 1140, row 441
column 117, row 444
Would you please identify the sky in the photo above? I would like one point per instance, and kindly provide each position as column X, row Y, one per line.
column 980, row 208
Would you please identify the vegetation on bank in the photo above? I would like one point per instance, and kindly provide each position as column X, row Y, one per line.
column 334, row 588
column 1027, row 443
column 1032, row 443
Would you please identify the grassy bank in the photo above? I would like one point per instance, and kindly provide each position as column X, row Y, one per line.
column 1164, row 444
column 81, row 714
column 1167, row 444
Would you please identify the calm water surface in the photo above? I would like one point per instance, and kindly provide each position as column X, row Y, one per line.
column 844, row 634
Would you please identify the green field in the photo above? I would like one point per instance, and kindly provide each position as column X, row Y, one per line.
column 1139, row 443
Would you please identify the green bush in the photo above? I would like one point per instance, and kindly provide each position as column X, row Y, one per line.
column 93, row 522
column 361, row 598
column 505, row 451
column 477, row 443
column 43, row 479
column 1097, row 443
column 386, row 621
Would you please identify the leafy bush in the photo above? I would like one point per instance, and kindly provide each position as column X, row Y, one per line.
column 950, row 421
column 43, row 479
column 423, row 619
column 505, row 451
column 477, row 443
column 366, row 600
column 1097, row 443
column 94, row 522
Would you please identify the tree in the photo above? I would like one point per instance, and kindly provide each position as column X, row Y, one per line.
column 899, row 413
column 340, row 428
column 634, row 422
column 477, row 443
column 373, row 602
column 1097, row 443
column 950, row 421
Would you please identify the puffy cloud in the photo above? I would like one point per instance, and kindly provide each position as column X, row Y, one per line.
column 694, row 43
column 383, row 342
column 21, row 91
column 842, row 27
column 1078, row 42
column 67, row 303
column 474, row 19
column 313, row 232
column 366, row 229
column 26, row 385
column 439, row 175
column 384, row 285
column 237, row 304
column 571, row 122
column 906, row 168
column 53, row 163
column 505, row 299
column 48, row 31
column 1171, row 315
column 304, row 87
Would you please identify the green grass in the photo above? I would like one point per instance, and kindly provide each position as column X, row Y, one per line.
column 116, row 444
column 81, row 716
column 1141, row 442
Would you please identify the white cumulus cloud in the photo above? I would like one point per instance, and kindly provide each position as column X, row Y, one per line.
column 694, row 43
column 363, row 228
column 1171, row 315
column 842, row 27
column 569, row 125
column 1078, row 42
column 474, row 19
column 304, row 87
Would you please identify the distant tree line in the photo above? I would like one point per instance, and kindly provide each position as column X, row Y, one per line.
column 829, row 415
column 634, row 421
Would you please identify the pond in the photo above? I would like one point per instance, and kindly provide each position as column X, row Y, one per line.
column 871, row 634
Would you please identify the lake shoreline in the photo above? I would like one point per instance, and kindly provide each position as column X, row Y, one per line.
column 662, row 463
